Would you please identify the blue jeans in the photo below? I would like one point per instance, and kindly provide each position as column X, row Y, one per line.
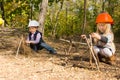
column 48, row 48
column 37, row 47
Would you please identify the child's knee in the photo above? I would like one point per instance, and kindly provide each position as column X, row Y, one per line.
column 96, row 49
column 107, row 52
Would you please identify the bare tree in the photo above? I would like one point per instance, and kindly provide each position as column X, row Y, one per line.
column 42, row 15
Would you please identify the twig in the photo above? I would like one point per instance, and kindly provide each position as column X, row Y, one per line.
column 70, row 46
column 92, row 52
column 19, row 46
column 68, row 41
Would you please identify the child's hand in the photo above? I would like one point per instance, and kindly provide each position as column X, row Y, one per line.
column 95, row 35
column 28, row 42
column 83, row 36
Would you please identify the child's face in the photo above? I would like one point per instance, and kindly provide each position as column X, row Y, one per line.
column 101, row 27
column 32, row 29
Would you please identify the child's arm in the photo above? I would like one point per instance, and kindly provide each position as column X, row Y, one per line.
column 36, row 41
column 103, row 39
column 96, row 36
column 28, row 41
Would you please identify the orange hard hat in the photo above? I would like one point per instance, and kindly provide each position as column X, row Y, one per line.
column 104, row 18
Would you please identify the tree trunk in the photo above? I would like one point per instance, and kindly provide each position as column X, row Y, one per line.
column 84, row 22
column 42, row 15
column 103, row 5
column 55, row 27
column 31, row 10
column 111, row 8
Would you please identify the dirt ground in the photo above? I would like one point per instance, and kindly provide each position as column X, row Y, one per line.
column 44, row 66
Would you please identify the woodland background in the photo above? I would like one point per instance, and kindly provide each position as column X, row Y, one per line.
column 61, row 18
column 61, row 22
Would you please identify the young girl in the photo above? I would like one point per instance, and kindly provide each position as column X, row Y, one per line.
column 35, row 38
column 103, row 38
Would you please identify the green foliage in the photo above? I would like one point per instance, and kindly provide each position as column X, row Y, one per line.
column 68, row 22
column 17, row 12
column 71, row 22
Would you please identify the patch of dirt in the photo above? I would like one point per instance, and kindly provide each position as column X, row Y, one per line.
column 44, row 66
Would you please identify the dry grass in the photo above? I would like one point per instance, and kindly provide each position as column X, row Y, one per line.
column 44, row 66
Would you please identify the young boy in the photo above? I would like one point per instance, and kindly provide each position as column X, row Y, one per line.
column 35, row 38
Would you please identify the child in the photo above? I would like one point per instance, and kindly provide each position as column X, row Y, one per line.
column 35, row 38
column 103, row 38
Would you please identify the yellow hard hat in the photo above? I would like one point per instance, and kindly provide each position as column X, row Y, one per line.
column 1, row 21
